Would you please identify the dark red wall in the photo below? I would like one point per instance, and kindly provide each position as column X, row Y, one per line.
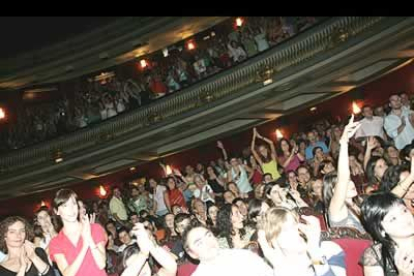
column 374, row 93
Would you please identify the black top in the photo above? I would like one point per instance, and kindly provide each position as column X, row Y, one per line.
column 215, row 186
column 33, row 270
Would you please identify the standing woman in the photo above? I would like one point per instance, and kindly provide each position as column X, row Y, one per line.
column 267, row 160
column 22, row 258
column 79, row 248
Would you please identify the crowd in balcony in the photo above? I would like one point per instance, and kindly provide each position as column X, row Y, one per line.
column 337, row 199
column 159, row 74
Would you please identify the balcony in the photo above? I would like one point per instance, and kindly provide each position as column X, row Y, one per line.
column 318, row 64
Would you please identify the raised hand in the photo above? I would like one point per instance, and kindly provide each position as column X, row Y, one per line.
column 86, row 230
column 350, row 130
column 30, row 250
column 24, row 260
column 144, row 241
column 220, row 145
column 372, row 143
column 92, row 218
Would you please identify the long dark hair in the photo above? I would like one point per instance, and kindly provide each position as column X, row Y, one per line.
column 224, row 225
column 374, row 209
column 279, row 150
column 370, row 170
column 329, row 182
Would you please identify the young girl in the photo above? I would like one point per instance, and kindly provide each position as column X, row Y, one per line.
column 79, row 248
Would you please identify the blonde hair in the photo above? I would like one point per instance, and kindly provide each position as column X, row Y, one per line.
column 272, row 221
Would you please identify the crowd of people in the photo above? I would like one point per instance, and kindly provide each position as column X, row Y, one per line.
column 264, row 211
column 96, row 101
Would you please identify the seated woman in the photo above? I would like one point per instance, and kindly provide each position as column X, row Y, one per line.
column 198, row 208
column 391, row 225
column 339, row 192
column 22, row 258
column 135, row 258
column 279, row 196
column 212, row 211
column 395, row 178
column 170, row 234
column 232, row 232
column 292, row 245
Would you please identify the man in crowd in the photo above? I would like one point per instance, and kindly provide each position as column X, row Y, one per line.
column 399, row 123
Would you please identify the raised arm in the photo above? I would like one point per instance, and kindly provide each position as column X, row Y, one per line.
column 148, row 247
column 223, row 150
column 337, row 205
column 253, row 148
column 271, row 144
column 371, row 144
column 401, row 189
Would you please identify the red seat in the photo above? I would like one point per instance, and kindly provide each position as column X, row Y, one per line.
column 186, row 269
column 353, row 249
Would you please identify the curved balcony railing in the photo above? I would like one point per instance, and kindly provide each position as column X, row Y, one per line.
column 293, row 52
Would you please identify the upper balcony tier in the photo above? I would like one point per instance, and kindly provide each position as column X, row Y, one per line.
column 320, row 63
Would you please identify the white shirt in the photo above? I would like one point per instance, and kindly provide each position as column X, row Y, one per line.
column 391, row 124
column 240, row 262
column 2, row 256
column 159, row 198
column 204, row 193
column 371, row 127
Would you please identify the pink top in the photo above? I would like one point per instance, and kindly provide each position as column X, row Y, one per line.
column 293, row 164
column 62, row 245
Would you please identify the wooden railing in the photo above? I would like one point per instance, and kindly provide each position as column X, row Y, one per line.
column 332, row 33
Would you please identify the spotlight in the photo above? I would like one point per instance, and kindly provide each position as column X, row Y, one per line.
column 190, row 45
column 279, row 134
column 355, row 108
column 239, row 22
column 169, row 170
column 102, row 191
column 143, row 63
column 2, row 114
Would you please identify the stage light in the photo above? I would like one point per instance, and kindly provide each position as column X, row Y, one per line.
column 168, row 170
column 2, row 114
column 143, row 63
column 165, row 52
column 42, row 204
column 355, row 108
column 102, row 191
column 190, row 45
column 313, row 109
column 239, row 22
column 279, row 134
column 132, row 169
